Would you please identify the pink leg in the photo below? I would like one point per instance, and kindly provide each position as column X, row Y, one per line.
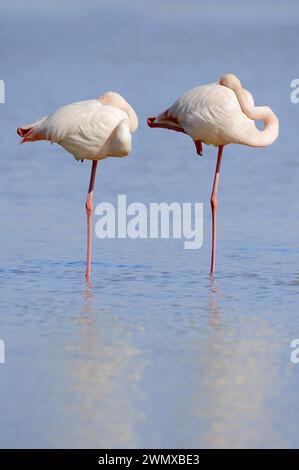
column 214, row 204
column 89, row 216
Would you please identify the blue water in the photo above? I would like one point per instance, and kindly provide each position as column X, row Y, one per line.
column 153, row 353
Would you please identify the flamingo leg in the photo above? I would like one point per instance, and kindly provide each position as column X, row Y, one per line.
column 89, row 216
column 214, row 204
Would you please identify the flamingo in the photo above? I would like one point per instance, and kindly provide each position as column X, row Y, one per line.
column 219, row 114
column 90, row 130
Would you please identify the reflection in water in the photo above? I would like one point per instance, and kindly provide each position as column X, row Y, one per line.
column 238, row 369
column 235, row 380
column 104, row 372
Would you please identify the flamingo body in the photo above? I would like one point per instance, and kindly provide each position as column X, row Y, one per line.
column 210, row 113
column 87, row 129
column 213, row 115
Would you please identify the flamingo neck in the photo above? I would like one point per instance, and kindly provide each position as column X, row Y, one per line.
column 132, row 117
column 256, row 138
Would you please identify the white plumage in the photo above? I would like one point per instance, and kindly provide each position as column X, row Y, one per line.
column 92, row 129
column 219, row 115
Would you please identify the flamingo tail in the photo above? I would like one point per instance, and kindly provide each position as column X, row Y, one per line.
column 30, row 133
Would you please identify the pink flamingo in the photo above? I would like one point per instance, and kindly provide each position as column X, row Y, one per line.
column 92, row 130
column 219, row 114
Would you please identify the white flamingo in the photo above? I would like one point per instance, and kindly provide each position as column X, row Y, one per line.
column 219, row 114
column 92, row 130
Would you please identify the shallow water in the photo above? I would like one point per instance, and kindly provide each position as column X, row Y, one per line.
column 153, row 353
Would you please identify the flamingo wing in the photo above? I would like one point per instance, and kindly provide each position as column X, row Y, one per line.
column 82, row 128
column 209, row 113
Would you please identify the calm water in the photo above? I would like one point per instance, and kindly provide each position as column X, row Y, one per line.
column 152, row 352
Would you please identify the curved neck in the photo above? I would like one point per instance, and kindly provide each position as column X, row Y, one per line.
column 132, row 117
column 270, row 132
